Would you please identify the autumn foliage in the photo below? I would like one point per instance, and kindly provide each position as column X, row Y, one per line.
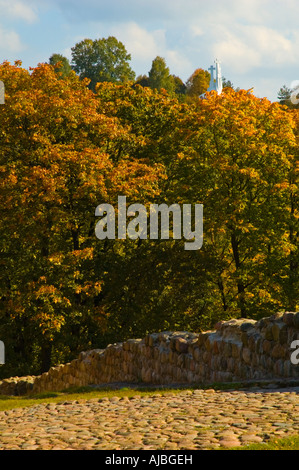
column 64, row 149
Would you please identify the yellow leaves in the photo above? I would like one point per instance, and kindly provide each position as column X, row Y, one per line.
column 49, row 323
column 89, row 289
column 264, row 295
column 65, row 150
column 83, row 254
column 252, row 173
column 180, row 156
column 259, row 258
column 135, row 177
column 56, row 259
column 49, row 293
column 283, row 185
column 46, row 290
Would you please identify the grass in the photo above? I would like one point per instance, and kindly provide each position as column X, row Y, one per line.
column 76, row 394
column 86, row 393
column 286, row 443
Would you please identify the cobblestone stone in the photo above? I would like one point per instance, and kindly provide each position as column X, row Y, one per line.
column 188, row 420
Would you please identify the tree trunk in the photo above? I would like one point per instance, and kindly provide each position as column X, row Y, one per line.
column 240, row 285
column 46, row 353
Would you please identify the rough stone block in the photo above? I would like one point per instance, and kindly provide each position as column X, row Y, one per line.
column 246, row 355
column 288, row 318
column 236, row 350
column 296, row 320
column 181, row 345
column 267, row 346
column 268, row 333
column 280, row 332
column 278, row 351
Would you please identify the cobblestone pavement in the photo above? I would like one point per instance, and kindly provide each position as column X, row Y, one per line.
column 188, row 420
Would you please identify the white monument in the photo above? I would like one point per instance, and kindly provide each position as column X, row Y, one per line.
column 216, row 81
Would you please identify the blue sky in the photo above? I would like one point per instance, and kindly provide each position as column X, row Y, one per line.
column 256, row 41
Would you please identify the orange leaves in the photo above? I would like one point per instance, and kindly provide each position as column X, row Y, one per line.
column 65, row 150
column 81, row 255
column 244, row 173
column 137, row 178
column 67, row 147
column 89, row 289
column 61, row 154
column 47, row 291
column 251, row 173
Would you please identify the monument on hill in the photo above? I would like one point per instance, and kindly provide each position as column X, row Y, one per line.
column 215, row 81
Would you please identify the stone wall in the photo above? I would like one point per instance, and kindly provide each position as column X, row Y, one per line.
column 237, row 350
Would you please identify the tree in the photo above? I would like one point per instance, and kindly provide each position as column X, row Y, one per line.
column 65, row 149
column 244, row 174
column 179, row 86
column 102, row 60
column 284, row 95
column 235, row 154
column 228, row 84
column 142, row 80
column 198, row 83
column 159, row 76
column 59, row 159
column 64, row 68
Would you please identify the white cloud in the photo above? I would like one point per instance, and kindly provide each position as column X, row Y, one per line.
column 144, row 46
column 177, row 62
column 196, row 30
column 236, row 54
column 9, row 42
column 67, row 52
column 273, row 46
column 254, row 46
column 140, row 43
column 253, row 11
column 17, row 9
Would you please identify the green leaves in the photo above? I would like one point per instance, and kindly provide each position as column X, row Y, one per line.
column 102, row 60
column 240, row 173
column 159, row 76
column 57, row 157
column 198, row 83
column 64, row 150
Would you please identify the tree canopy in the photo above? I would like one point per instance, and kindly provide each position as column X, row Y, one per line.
column 159, row 76
column 102, row 60
column 62, row 64
column 198, row 83
column 107, row 60
column 64, row 149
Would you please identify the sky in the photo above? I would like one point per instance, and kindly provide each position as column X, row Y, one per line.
column 256, row 41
